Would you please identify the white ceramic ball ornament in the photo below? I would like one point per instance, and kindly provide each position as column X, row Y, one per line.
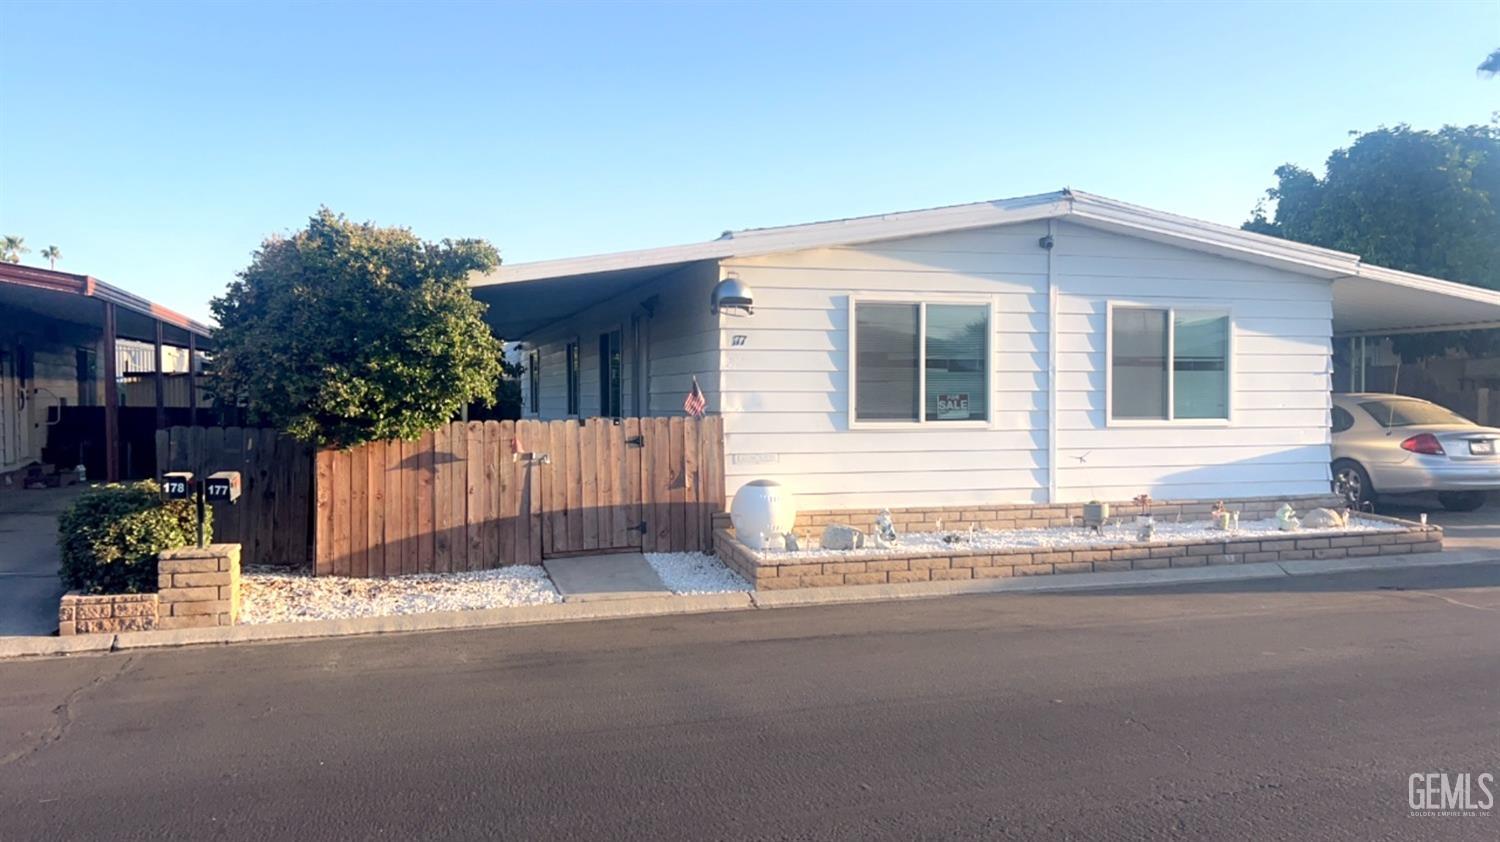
column 762, row 508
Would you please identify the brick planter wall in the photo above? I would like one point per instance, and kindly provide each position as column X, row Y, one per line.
column 80, row 613
column 781, row 571
column 195, row 587
column 199, row 586
column 1038, row 515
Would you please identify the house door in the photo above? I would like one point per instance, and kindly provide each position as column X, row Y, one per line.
column 15, row 430
column 630, row 484
column 10, row 411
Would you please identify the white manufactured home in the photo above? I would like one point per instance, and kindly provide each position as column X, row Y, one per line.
column 1052, row 348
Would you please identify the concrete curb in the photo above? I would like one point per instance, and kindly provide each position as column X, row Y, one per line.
column 524, row 615
column 573, row 612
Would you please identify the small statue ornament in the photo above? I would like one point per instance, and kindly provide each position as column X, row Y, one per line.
column 885, row 527
column 1286, row 518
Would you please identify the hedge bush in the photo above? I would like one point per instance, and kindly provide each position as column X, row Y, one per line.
column 111, row 535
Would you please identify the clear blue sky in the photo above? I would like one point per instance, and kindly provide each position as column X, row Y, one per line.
column 156, row 144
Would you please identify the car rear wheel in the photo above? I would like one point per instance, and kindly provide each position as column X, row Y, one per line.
column 1352, row 483
column 1461, row 501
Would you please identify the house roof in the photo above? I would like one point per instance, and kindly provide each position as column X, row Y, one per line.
column 62, row 295
column 1373, row 299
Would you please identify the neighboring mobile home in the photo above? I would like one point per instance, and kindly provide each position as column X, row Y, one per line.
column 1052, row 348
column 88, row 372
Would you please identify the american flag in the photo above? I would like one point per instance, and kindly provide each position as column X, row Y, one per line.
column 695, row 403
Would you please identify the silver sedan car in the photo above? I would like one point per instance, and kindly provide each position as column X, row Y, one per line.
column 1393, row 444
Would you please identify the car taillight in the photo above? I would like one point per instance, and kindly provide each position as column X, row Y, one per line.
column 1424, row 443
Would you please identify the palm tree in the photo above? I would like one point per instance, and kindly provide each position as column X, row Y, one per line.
column 52, row 253
column 1490, row 66
column 12, row 247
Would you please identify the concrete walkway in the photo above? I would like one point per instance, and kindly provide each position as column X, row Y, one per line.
column 609, row 576
column 29, row 587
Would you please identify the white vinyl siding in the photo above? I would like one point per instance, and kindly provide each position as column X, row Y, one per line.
column 1276, row 441
column 781, row 377
column 786, row 393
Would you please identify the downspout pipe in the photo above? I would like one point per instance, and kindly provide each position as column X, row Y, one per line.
column 1051, row 242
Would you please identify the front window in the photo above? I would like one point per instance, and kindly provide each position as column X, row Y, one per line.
column 535, row 378
column 916, row 362
column 1411, row 413
column 611, row 375
column 572, row 366
column 1168, row 364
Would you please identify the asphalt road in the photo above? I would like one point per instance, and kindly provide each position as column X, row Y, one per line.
column 1276, row 709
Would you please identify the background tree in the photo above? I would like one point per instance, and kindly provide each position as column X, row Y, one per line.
column 12, row 247
column 345, row 333
column 1418, row 201
column 52, row 254
column 1490, row 66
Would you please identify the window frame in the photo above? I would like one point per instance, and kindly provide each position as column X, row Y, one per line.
column 572, row 371
column 534, row 361
column 607, row 387
column 921, row 302
column 1171, row 308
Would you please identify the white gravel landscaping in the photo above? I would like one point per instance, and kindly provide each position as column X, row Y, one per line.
column 1066, row 537
column 276, row 595
column 695, row 573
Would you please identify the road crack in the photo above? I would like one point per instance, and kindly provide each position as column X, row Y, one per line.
column 1450, row 600
column 62, row 715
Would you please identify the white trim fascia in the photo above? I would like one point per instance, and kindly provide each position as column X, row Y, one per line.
column 1076, row 206
column 1101, row 212
column 794, row 238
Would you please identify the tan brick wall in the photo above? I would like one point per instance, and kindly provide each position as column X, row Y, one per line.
column 199, row 586
column 768, row 573
column 80, row 613
column 1026, row 515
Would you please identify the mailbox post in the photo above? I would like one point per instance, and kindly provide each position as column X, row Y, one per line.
column 220, row 487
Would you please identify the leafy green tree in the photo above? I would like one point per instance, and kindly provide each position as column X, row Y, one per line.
column 52, row 254
column 1418, row 201
column 12, row 247
column 1490, row 66
column 345, row 333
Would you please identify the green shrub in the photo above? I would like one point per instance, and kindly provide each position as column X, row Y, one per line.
column 111, row 535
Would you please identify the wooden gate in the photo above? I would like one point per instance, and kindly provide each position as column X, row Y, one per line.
column 272, row 519
column 649, row 484
column 478, row 495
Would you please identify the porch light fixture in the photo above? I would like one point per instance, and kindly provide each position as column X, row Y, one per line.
column 732, row 295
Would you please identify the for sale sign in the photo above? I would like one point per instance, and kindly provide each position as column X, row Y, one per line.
column 956, row 402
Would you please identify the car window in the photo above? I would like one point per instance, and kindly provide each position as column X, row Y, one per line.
column 1342, row 420
column 1410, row 413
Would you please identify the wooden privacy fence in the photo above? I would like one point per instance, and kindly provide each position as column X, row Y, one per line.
column 478, row 495
column 272, row 521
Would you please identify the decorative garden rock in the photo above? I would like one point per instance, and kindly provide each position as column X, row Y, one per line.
column 842, row 536
column 792, row 544
column 1324, row 519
